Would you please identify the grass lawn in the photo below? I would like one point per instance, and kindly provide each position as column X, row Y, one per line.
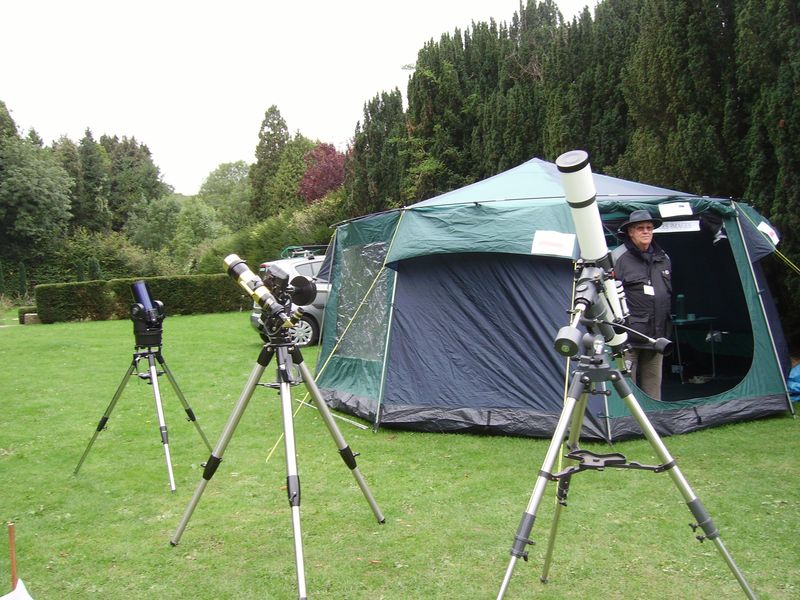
column 452, row 502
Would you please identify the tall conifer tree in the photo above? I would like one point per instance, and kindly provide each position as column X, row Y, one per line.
column 272, row 139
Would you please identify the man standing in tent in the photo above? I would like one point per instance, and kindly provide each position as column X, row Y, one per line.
column 645, row 271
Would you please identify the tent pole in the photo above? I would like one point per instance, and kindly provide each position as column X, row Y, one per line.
column 376, row 423
column 761, row 304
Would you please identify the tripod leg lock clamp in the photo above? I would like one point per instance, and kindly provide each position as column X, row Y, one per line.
column 521, row 539
column 704, row 521
column 211, row 467
column 293, row 490
column 348, row 457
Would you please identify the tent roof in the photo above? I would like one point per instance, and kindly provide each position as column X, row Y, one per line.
column 539, row 179
column 504, row 213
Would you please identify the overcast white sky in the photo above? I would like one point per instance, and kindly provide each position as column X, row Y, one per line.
column 192, row 79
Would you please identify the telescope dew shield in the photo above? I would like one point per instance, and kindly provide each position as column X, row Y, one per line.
column 580, row 193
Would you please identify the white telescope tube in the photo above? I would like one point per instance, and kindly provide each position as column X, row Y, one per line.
column 581, row 196
column 580, row 193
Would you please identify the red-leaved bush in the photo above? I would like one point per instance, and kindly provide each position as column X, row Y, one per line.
column 324, row 172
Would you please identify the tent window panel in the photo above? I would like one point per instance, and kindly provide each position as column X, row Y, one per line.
column 360, row 294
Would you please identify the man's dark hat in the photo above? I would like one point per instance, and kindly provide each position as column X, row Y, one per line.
column 638, row 216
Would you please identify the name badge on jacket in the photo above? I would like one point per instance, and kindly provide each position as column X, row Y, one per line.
column 648, row 290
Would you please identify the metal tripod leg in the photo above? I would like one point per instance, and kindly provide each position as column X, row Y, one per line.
column 227, row 433
column 564, row 482
column 162, row 424
column 186, row 407
column 521, row 539
column 704, row 520
column 292, row 475
column 345, row 452
column 104, row 419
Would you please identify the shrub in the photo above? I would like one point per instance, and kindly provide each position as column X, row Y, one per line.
column 112, row 299
column 265, row 240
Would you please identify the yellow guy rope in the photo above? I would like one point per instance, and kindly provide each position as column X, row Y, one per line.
column 344, row 332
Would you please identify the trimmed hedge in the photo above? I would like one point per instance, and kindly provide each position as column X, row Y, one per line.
column 112, row 299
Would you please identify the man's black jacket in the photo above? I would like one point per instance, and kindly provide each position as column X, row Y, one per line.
column 647, row 279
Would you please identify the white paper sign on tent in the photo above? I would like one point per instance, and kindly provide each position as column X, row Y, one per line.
column 674, row 209
column 771, row 233
column 678, row 226
column 553, row 243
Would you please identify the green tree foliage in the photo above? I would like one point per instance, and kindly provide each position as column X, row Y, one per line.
column 22, row 279
column 376, row 165
column 2, row 280
column 265, row 239
column 197, row 224
column 34, row 199
column 673, row 86
column 8, row 128
column 768, row 86
column 152, row 225
column 227, row 190
column 272, row 138
column 91, row 207
column 68, row 155
column 283, row 189
column 132, row 177
column 35, row 139
column 116, row 255
column 95, row 272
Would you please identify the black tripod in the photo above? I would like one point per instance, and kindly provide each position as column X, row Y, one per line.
column 147, row 317
column 151, row 376
column 286, row 354
column 594, row 368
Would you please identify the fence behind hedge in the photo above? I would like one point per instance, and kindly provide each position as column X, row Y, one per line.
column 112, row 299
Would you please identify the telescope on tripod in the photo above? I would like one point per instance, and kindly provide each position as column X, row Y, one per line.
column 599, row 306
column 275, row 295
column 147, row 316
